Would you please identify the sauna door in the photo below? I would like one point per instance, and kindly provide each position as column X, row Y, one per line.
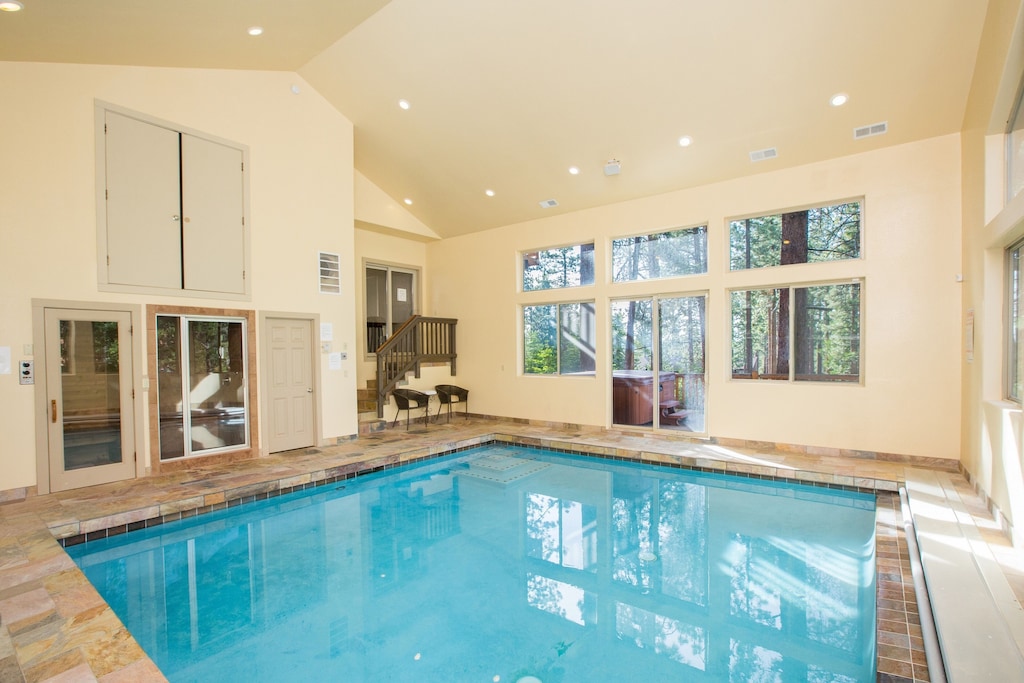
column 89, row 405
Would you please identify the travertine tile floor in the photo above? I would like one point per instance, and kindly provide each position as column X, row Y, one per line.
column 56, row 628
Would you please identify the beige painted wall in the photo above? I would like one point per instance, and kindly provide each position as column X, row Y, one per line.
column 301, row 186
column 992, row 426
column 910, row 401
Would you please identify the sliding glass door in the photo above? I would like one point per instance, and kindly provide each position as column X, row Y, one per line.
column 658, row 362
column 201, row 365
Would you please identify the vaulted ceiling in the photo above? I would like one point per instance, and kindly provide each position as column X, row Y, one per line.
column 507, row 95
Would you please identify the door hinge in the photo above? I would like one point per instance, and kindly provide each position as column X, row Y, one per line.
column 243, row 274
column 106, row 194
column 108, row 259
column 133, row 394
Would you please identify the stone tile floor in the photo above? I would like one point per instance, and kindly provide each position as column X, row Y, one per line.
column 55, row 628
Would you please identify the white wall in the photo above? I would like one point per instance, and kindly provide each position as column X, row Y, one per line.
column 909, row 402
column 992, row 435
column 301, row 186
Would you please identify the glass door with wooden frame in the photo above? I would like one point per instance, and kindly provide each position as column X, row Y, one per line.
column 89, row 397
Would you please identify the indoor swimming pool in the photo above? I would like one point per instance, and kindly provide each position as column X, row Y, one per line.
column 505, row 564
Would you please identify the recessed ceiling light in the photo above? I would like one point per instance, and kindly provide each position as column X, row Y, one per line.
column 11, row 6
column 255, row 30
column 404, row 104
column 407, row 201
column 574, row 170
column 489, row 193
column 685, row 141
column 839, row 99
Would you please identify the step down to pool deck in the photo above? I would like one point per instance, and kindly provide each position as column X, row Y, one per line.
column 979, row 622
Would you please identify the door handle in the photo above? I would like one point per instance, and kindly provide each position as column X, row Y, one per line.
column 309, row 390
column 53, row 410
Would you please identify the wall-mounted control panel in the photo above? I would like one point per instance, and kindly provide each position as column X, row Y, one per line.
column 26, row 372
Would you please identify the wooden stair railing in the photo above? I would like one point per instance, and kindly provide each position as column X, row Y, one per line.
column 418, row 340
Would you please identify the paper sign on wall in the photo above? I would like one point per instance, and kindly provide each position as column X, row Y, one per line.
column 334, row 361
column 401, row 294
column 326, row 332
column 5, row 360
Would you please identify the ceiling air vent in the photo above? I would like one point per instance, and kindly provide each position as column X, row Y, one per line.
column 762, row 154
column 549, row 203
column 868, row 131
column 330, row 273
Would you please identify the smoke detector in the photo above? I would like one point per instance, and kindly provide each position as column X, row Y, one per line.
column 612, row 167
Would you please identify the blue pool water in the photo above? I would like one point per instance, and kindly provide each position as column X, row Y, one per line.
column 505, row 564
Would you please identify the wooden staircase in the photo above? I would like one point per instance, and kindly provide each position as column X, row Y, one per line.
column 420, row 342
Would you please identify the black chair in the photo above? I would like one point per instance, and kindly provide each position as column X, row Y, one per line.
column 448, row 394
column 410, row 400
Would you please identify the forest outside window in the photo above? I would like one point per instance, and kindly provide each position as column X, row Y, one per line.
column 660, row 255
column 558, row 339
column 798, row 333
column 571, row 266
column 827, row 233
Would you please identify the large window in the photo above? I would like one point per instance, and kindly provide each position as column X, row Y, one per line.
column 558, row 339
column 201, row 385
column 571, row 266
column 797, row 333
column 663, row 254
column 1013, row 254
column 827, row 233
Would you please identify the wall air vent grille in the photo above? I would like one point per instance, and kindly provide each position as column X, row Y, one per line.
column 549, row 203
column 762, row 154
column 870, row 131
column 330, row 273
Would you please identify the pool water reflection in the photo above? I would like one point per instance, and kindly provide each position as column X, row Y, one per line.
column 502, row 563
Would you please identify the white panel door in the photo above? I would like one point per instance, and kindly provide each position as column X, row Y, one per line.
column 213, row 202
column 290, row 388
column 143, row 203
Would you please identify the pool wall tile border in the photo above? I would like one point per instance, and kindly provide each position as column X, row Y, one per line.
column 70, row 534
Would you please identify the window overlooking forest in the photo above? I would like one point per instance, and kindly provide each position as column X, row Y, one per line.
column 570, row 266
column 558, row 339
column 664, row 254
column 821, row 334
column 828, row 233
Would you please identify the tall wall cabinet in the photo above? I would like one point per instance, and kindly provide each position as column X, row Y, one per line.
column 172, row 208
